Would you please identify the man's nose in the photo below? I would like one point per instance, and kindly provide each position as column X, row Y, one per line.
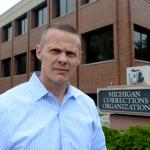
column 62, row 59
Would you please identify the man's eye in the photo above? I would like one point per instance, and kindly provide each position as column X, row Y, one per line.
column 71, row 54
column 55, row 51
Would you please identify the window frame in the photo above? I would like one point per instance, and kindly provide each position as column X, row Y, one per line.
column 100, row 56
column 35, row 62
column 22, row 23
column 42, row 11
column 7, row 33
column 20, row 61
column 142, row 52
column 63, row 7
column 6, row 67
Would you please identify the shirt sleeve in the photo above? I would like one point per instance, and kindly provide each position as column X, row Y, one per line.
column 98, row 140
column 2, row 134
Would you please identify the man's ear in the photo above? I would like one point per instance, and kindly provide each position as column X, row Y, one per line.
column 38, row 52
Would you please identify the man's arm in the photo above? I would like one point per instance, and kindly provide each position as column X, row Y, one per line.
column 98, row 140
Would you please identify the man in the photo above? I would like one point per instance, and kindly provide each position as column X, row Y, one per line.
column 47, row 113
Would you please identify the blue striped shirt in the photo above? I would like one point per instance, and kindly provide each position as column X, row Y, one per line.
column 32, row 119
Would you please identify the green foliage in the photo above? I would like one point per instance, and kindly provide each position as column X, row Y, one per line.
column 135, row 138
column 111, row 136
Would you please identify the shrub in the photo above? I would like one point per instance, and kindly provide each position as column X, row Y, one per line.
column 135, row 138
column 111, row 136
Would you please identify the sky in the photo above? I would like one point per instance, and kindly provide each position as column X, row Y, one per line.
column 6, row 4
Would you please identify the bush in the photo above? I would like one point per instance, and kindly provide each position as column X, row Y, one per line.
column 112, row 136
column 135, row 138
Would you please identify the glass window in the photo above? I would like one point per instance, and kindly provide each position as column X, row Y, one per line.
column 99, row 45
column 22, row 25
column 20, row 64
column 70, row 5
column 93, row 96
column 142, row 43
column 64, row 6
column 6, row 67
column 25, row 25
column 45, row 15
column 35, row 61
column 41, row 16
column 7, row 33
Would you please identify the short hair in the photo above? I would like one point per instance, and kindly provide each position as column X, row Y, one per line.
column 63, row 27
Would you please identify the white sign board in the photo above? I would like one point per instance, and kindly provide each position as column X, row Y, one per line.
column 138, row 75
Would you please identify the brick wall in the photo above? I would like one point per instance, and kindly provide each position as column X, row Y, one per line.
column 122, row 14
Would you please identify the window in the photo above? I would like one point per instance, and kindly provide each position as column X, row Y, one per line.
column 41, row 16
column 142, row 43
column 22, row 25
column 93, row 96
column 6, row 67
column 64, row 6
column 7, row 33
column 20, row 62
column 99, row 45
column 35, row 62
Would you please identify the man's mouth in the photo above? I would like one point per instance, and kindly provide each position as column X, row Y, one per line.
column 61, row 70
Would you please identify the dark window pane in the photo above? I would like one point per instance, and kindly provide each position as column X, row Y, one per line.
column 19, row 28
column 64, row 6
column 141, row 43
column 99, row 45
column 22, row 25
column 57, row 9
column 7, row 33
column 144, row 41
column 36, row 62
column 21, row 64
column 93, row 96
column 86, row 1
column 137, row 40
column 6, row 67
column 41, row 16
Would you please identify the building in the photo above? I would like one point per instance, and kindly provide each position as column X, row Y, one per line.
column 115, row 35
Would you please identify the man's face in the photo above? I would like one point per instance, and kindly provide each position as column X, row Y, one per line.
column 59, row 56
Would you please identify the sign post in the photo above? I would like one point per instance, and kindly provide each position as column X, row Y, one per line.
column 124, row 101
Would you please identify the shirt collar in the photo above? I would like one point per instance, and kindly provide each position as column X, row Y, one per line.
column 73, row 92
column 38, row 90
column 36, row 87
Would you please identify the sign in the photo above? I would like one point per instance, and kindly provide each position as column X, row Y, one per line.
column 136, row 101
column 138, row 75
